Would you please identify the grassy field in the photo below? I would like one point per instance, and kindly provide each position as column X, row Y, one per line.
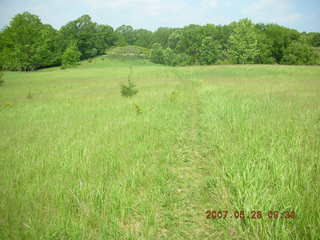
column 77, row 161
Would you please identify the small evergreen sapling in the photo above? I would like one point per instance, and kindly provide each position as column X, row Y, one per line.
column 130, row 89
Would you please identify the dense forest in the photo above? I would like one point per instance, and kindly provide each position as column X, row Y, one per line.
column 27, row 44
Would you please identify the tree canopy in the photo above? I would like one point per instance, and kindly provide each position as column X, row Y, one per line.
column 243, row 42
column 27, row 44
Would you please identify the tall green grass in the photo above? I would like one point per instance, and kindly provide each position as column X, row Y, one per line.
column 78, row 162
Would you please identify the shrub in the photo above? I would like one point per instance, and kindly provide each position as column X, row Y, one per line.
column 130, row 89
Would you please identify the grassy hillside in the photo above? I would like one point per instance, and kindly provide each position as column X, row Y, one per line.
column 78, row 162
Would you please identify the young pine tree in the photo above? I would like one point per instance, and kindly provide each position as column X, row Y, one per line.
column 130, row 89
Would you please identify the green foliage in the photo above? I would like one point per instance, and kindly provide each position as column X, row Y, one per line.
column 225, row 61
column 126, row 51
column 181, row 59
column 314, row 39
column 129, row 90
column 174, row 40
column 190, row 42
column 27, row 44
column 199, row 44
column 120, row 40
column 157, row 55
column 161, row 36
column 1, row 78
column 243, row 42
column 300, row 53
column 210, row 51
column 92, row 39
column 317, row 53
column 265, row 48
column 143, row 38
column 104, row 39
column 91, row 52
column 280, row 38
column 128, row 34
column 169, row 57
column 71, row 56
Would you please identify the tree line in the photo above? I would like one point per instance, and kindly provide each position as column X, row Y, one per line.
column 241, row 42
column 27, row 44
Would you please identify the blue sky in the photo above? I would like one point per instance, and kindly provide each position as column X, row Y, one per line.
column 303, row 15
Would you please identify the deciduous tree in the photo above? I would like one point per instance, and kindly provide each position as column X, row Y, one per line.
column 243, row 42
column 71, row 56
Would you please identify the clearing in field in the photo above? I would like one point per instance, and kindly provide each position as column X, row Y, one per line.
column 79, row 161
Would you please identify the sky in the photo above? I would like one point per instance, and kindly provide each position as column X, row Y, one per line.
column 303, row 15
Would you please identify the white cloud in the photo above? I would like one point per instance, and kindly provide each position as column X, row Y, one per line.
column 275, row 11
column 210, row 3
column 151, row 14
column 147, row 7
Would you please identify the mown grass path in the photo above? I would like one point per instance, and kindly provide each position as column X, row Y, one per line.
column 186, row 217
